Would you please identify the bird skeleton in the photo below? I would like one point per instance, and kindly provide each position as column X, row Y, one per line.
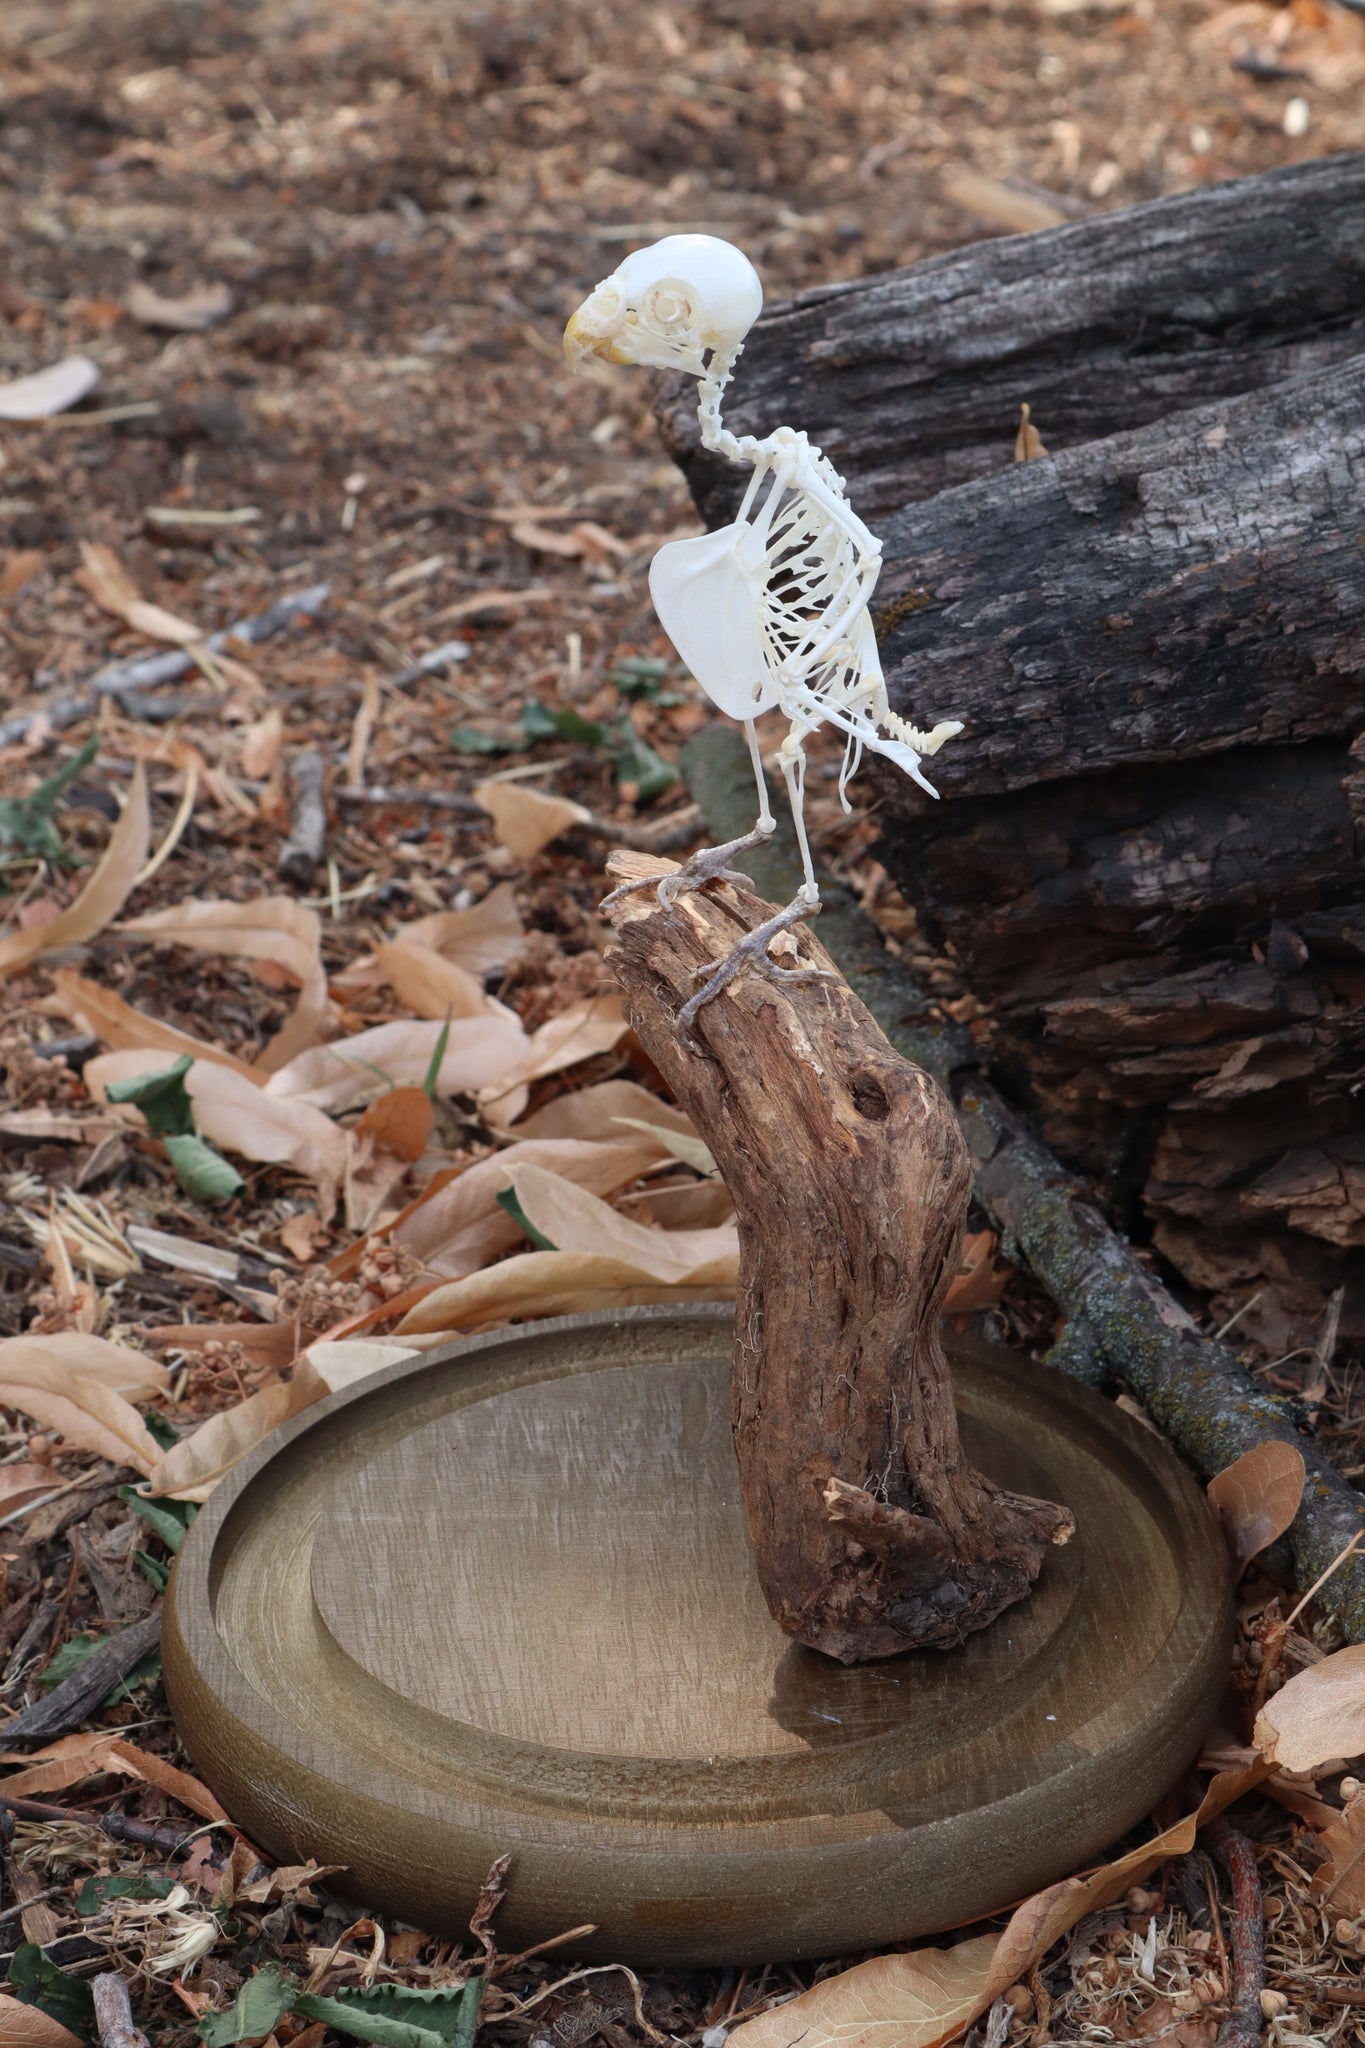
column 769, row 613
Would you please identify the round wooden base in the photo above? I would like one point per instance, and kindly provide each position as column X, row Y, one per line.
column 501, row 1598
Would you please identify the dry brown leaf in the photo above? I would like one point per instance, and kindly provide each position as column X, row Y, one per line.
column 576, row 1221
column 978, row 1282
column 23, row 2026
column 190, row 314
column 1257, row 1497
column 595, row 1025
column 525, row 820
column 429, row 984
column 76, row 1757
column 116, row 1366
column 549, row 1284
column 1340, row 1882
column 273, row 928
column 103, row 577
column 483, row 940
column 399, row 1122
column 103, row 896
column 21, row 1484
column 48, row 391
column 303, row 1236
column 930, row 1996
column 1028, row 442
column 1021, row 212
column 83, row 1408
column 597, row 1112
column 341, row 1362
column 1319, row 1714
column 480, row 1052
column 262, row 745
column 267, row 1344
column 235, row 1112
column 19, row 568
column 122, row 1028
column 372, row 1175
column 193, row 1468
column 456, row 1226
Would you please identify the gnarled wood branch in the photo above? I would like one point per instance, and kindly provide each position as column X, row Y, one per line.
column 872, row 1532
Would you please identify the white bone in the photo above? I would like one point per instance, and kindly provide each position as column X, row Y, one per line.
column 770, row 612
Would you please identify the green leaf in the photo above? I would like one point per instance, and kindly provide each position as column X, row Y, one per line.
column 203, row 1173
column 26, row 821
column 508, row 1200
column 393, row 2016
column 169, row 1519
column 167, row 1436
column 152, row 1570
column 96, row 1890
column 73, row 1654
column 256, row 2011
column 438, row 1053
column 471, row 739
column 35, row 1980
column 638, row 764
column 541, row 722
column 161, row 1097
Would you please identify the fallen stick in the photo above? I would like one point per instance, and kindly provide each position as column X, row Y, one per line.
column 67, row 1706
column 307, row 841
column 1244, row 2025
column 114, row 2013
column 1122, row 1325
column 119, row 1827
column 145, row 671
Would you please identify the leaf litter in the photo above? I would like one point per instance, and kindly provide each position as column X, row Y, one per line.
column 460, row 920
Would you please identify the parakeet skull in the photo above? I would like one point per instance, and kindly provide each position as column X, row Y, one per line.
column 677, row 305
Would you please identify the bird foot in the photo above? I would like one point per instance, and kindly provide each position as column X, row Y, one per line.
column 712, row 864
column 752, row 951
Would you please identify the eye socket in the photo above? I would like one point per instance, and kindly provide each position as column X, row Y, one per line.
column 667, row 308
column 606, row 301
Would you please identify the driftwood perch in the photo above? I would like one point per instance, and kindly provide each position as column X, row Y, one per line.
column 872, row 1533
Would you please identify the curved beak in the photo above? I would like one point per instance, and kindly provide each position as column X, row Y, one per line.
column 580, row 343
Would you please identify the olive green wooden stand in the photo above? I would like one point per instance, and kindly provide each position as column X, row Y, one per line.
column 500, row 1598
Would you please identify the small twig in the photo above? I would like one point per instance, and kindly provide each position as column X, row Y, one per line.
column 147, row 670
column 304, row 848
column 119, row 1827
column 56, row 1891
column 1243, row 2026
column 114, row 2013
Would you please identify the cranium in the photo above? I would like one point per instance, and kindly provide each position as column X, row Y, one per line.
column 685, row 303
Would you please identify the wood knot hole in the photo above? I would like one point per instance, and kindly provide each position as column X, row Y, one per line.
column 869, row 1097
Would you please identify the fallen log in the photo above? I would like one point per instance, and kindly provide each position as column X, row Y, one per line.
column 912, row 381
column 1122, row 1326
column 1149, row 849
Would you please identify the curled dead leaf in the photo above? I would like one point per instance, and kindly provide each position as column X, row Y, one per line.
column 122, row 1028
column 43, row 1378
column 21, row 1485
column 103, row 896
column 930, row 1996
column 549, row 1284
column 272, row 928
column 95, row 1752
column 479, row 1052
column 455, row 1226
column 1257, row 1497
column 193, row 1468
column 1318, row 1715
column 595, row 1025
column 25, row 2026
column 525, row 820
column 575, row 1220
column 429, row 984
column 103, row 577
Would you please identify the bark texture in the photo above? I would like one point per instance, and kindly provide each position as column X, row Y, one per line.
column 1122, row 1326
column 872, row 1532
column 912, row 381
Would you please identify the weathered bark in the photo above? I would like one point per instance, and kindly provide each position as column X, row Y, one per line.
column 871, row 1531
column 1175, row 591
column 1122, row 1326
column 912, row 382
